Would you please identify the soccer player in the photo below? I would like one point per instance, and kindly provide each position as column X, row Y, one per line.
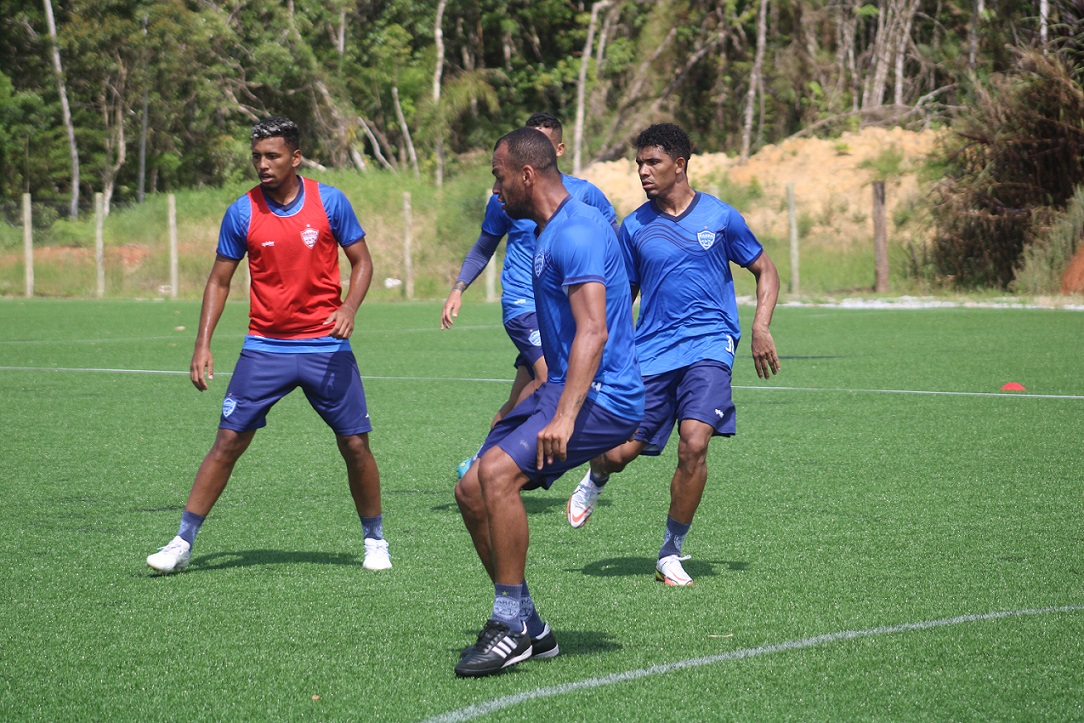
column 517, row 294
column 679, row 247
column 299, row 331
column 592, row 398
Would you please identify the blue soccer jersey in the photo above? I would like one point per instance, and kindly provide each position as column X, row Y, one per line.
column 681, row 264
column 579, row 246
column 517, row 294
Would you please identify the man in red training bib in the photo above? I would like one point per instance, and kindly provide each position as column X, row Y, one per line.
column 291, row 228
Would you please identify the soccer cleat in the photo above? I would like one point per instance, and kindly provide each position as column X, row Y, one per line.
column 670, row 571
column 496, row 649
column 582, row 502
column 173, row 557
column 376, row 555
column 461, row 470
column 545, row 645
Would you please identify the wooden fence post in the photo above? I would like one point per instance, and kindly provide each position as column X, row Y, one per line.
column 99, row 242
column 880, row 238
column 795, row 276
column 171, row 206
column 408, row 241
column 28, row 245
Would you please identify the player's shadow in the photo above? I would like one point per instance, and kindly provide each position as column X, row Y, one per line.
column 573, row 642
column 634, row 566
column 251, row 558
column 535, row 504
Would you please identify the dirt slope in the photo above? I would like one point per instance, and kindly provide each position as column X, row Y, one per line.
column 832, row 189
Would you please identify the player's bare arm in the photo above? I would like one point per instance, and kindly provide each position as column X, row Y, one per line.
column 215, row 294
column 765, row 356
column 361, row 275
column 588, row 303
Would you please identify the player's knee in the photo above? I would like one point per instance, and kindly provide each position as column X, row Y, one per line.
column 468, row 494
column 229, row 445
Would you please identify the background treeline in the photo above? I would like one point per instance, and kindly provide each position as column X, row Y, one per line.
column 130, row 97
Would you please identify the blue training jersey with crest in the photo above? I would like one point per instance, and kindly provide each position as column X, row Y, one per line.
column 517, row 295
column 579, row 246
column 688, row 312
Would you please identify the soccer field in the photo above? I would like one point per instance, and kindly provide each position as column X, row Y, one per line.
column 889, row 536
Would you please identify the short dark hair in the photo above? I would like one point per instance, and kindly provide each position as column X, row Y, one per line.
column 545, row 120
column 277, row 127
column 669, row 137
column 529, row 147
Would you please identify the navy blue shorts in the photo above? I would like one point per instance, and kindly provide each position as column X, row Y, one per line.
column 700, row 391
column 523, row 331
column 330, row 381
column 596, row 431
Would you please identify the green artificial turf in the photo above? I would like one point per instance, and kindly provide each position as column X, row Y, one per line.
column 882, row 480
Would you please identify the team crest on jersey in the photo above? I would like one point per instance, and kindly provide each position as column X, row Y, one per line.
column 706, row 239
column 228, row 405
column 309, row 236
column 540, row 261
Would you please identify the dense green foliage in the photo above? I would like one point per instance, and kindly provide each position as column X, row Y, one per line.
column 199, row 72
column 1015, row 160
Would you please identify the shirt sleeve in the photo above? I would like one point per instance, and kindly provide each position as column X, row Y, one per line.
column 233, row 233
column 579, row 256
column 628, row 253
column 743, row 246
column 593, row 196
column 340, row 215
column 496, row 222
column 478, row 256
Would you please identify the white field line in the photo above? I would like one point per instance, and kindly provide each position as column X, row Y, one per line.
column 506, row 381
column 480, row 709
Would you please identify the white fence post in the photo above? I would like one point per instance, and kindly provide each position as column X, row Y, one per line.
column 795, row 277
column 99, row 242
column 172, row 211
column 28, row 245
column 408, row 240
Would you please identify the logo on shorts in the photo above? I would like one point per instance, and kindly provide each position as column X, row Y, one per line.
column 535, row 338
column 309, row 236
column 228, row 405
column 706, row 239
column 718, row 414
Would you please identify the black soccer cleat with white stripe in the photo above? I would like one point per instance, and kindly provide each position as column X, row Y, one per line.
column 497, row 648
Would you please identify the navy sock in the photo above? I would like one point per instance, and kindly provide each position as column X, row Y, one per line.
column 528, row 614
column 190, row 524
column 599, row 482
column 372, row 527
column 674, row 537
column 506, row 604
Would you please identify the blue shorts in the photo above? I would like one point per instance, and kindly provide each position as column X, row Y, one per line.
column 596, row 431
column 523, row 331
column 330, row 381
column 700, row 391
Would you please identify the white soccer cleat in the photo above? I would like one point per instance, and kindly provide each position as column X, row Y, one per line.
column 376, row 555
column 669, row 570
column 582, row 502
column 173, row 557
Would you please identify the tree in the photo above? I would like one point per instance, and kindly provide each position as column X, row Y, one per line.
column 62, row 91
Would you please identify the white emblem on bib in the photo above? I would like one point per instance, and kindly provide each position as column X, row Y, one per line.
column 309, row 236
